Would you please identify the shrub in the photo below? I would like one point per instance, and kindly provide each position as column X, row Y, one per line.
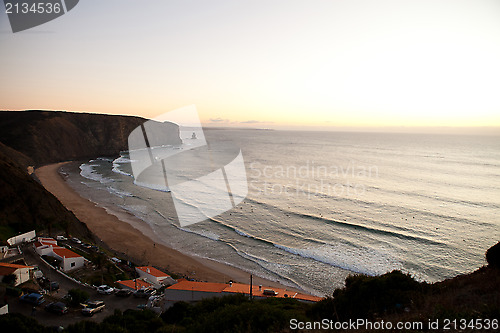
column 364, row 296
column 78, row 296
column 10, row 279
column 493, row 255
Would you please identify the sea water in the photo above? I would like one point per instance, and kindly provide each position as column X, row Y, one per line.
column 323, row 205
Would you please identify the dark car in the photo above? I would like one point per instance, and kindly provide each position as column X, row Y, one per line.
column 57, row 307
column 123, row 293
column 33, row 298
column 47, row 284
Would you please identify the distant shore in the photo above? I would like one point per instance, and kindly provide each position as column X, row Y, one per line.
column 128, row 234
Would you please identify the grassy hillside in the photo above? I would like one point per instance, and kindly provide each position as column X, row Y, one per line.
column 25, row 205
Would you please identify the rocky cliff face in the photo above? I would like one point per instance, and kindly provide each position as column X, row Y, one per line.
column 53, row 136
column 24, row 203
column 42, row 137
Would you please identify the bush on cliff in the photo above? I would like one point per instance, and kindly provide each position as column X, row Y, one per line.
column 493, row 255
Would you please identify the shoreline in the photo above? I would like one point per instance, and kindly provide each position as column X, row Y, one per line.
column 127, row 234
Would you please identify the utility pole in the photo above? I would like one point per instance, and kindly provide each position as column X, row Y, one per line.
column 251, row 286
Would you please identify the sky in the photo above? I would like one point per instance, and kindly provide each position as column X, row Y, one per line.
column 269, row 64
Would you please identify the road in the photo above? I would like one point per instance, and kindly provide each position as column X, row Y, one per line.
column 49, row 319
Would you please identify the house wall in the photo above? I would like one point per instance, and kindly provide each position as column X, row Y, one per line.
column 44, row 250
column 67, row 263
column 22, row 238
column 189, row 295
column 22, row 274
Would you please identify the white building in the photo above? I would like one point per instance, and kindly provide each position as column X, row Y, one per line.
column 21, row 272
column 69, row 259
column 191, row 291
column 26, row 237
column 154, row 276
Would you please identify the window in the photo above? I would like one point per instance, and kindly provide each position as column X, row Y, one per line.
column 72, row 264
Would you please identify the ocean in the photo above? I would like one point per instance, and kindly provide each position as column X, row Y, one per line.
column 324, row 205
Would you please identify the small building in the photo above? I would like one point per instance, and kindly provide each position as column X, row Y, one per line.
column 154, row 276
column 190, row 291
column 42, row 249
column 26, row 237
column 194, row 291
column 134, row 284
column 69, row 259
column 260, row 292
column 48, row 247
column 21, row 272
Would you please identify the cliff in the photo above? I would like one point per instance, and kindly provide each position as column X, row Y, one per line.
column 24, row 203
column 34, row 138
column 54, row 136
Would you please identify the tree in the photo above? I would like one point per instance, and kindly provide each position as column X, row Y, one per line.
column 78, row 296
column 10, row 279
column 493, row 255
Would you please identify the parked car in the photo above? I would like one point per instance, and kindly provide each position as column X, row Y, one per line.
column 145, row 293
column 93, row 307
column 105, row 290
column 37, row 273
column 47, row 284
column 61, row 238
column 76, row 240
column 33, row 298
column 123, row 293
column 57, row 307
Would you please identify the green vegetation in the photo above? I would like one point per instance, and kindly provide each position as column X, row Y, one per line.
column 6, row 232
column 10, row 279
column 78, row 296
column 493, row 255
column 234, row 314
column 15, row 322
column 54, row 262
column 369, row 296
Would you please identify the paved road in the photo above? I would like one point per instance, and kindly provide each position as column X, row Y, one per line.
column 49, row 319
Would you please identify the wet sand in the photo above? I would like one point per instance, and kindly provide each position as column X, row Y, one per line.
column 127, row 234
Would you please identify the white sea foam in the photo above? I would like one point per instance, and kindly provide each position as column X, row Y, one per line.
column 117, row 163
column 116, row 169
column 208, row 234
column 88, row 171
column 360, row 260
column 119, row 193
column 156, row 187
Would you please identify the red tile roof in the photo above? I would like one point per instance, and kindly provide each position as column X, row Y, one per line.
column 47, row 241
column 63, row 252
column 132, row 284
column 211, row 287
column 14, row 265
column 7, row 269
column 240, row 288
column 153, row 271
column 245, row 289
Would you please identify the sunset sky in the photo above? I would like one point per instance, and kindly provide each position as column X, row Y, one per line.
column 273, row 64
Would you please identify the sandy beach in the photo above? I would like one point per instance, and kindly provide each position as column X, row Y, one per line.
column 125, row 233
